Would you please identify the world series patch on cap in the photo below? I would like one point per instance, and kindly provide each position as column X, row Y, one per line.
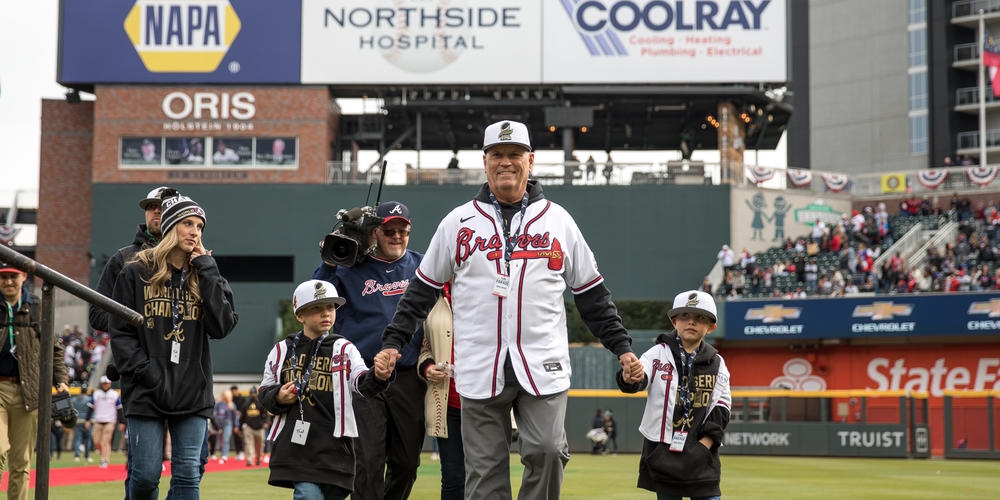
column 506, row 132
column 694, row 301
column 315, row 292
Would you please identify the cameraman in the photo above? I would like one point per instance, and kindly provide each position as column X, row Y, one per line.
column 390, row 425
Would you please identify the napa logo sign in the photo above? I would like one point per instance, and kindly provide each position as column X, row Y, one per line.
column 180, row 36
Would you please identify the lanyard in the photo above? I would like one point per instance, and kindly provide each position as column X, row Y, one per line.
column 10, row 322
column 509, row 247
column 685, row 393
column 175, row 304
column 303, row 384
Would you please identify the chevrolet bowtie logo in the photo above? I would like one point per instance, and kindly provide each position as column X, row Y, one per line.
column 774, row 313
column 992, row 308
column 882, row 310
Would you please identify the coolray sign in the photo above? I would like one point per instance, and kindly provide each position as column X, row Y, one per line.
column 179, row 41
column 658, row 41
column 903, row 315
column 421, row 41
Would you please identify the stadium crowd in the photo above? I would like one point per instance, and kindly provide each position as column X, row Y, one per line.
column 840, row 259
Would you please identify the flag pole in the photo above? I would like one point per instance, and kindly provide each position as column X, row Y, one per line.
column 982, row 90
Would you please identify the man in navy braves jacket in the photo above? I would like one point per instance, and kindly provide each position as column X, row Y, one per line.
column 390, row 425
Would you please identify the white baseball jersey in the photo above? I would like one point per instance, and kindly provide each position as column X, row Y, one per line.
column 661, row 397
column 343, row 354
column 105, row 405
column 529, row 324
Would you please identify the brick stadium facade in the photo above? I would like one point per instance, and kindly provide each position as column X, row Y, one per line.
column 81, row 146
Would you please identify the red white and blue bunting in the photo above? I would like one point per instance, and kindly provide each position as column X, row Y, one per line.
column 760, row 174
column 800, row 178
column 981, row 175
column 931, row 179
column 836, row 182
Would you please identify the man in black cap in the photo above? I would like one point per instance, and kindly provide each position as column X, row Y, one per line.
column 253, row 422
column 390, row 425
column 145, row 237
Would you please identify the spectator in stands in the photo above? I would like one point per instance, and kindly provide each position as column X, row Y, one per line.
column 609, row 168
column 947, row 163
column 748, row 261
column 851, row 289
column 754, row 282
column 818, row 229
column 789, row 244
column 811, row 270
column 965, row 160
column 869, row 284
column 591, row 168
column 726, row 257
column 706, row 285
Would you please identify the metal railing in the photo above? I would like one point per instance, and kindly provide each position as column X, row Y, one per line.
column 903, row 247
column 964, row 8
column 51, row 280
column 965, row 52
column 970, row 140
column 945, row 234
column 970, row 95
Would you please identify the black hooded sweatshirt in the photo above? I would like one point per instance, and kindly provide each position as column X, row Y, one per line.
column 155, row 386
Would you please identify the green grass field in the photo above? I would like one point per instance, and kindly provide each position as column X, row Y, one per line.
column 613, row 477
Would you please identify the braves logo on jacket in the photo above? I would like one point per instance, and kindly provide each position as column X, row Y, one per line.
column 664, row 382
column 337, row 374
column 529, row 324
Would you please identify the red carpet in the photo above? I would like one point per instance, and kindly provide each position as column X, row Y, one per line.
column 95, row 474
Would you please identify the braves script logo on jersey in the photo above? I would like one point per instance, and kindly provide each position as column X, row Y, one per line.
column 386, row 289
column 666, row 369
column 494, row 247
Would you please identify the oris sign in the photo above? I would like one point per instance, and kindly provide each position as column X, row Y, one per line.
column 209, row 106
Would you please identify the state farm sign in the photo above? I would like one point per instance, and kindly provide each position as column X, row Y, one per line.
column 936, row 378
column 931, row 368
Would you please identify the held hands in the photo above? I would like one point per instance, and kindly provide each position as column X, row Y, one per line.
column 631, row 368
column 286, row 395
column 385, row 363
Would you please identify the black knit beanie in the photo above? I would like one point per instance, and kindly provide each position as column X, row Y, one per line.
column 177, row 207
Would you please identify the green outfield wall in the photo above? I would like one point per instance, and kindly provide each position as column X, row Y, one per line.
column 650, row 241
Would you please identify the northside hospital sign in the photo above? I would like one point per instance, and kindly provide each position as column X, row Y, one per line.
column 551, row 41
column 422, row 41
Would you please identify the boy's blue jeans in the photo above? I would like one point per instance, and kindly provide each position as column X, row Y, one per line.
column 145, row 441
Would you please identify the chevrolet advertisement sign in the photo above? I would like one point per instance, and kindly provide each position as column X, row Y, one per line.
column 860, row 317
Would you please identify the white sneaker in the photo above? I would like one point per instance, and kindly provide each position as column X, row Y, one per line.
column 435, row 457
column 104, row 464
column 90, row 460
column 76, row 459
column 240, row 456
column 267, row 459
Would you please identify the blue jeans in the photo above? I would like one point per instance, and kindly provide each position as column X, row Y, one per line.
column 664, row 496
column 81, row 437
column 145, row 442
column 313, row 491
column 452, row 458
column 224, row 437
column 201, row 465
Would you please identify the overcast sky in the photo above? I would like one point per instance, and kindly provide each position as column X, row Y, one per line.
column 27, row 74
column 28, row 40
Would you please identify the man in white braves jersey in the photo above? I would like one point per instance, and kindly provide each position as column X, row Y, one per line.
column 510, row 254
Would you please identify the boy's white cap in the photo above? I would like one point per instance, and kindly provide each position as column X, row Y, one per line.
column 506, row 132
column 315, row 292
column 693, row 301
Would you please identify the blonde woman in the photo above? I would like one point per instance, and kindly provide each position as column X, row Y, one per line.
column 166, row 365
column 225, row 421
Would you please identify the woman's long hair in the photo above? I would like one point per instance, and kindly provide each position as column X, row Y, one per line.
column 154, row 260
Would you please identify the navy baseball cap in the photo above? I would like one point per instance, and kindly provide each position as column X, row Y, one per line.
column 393, row 210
